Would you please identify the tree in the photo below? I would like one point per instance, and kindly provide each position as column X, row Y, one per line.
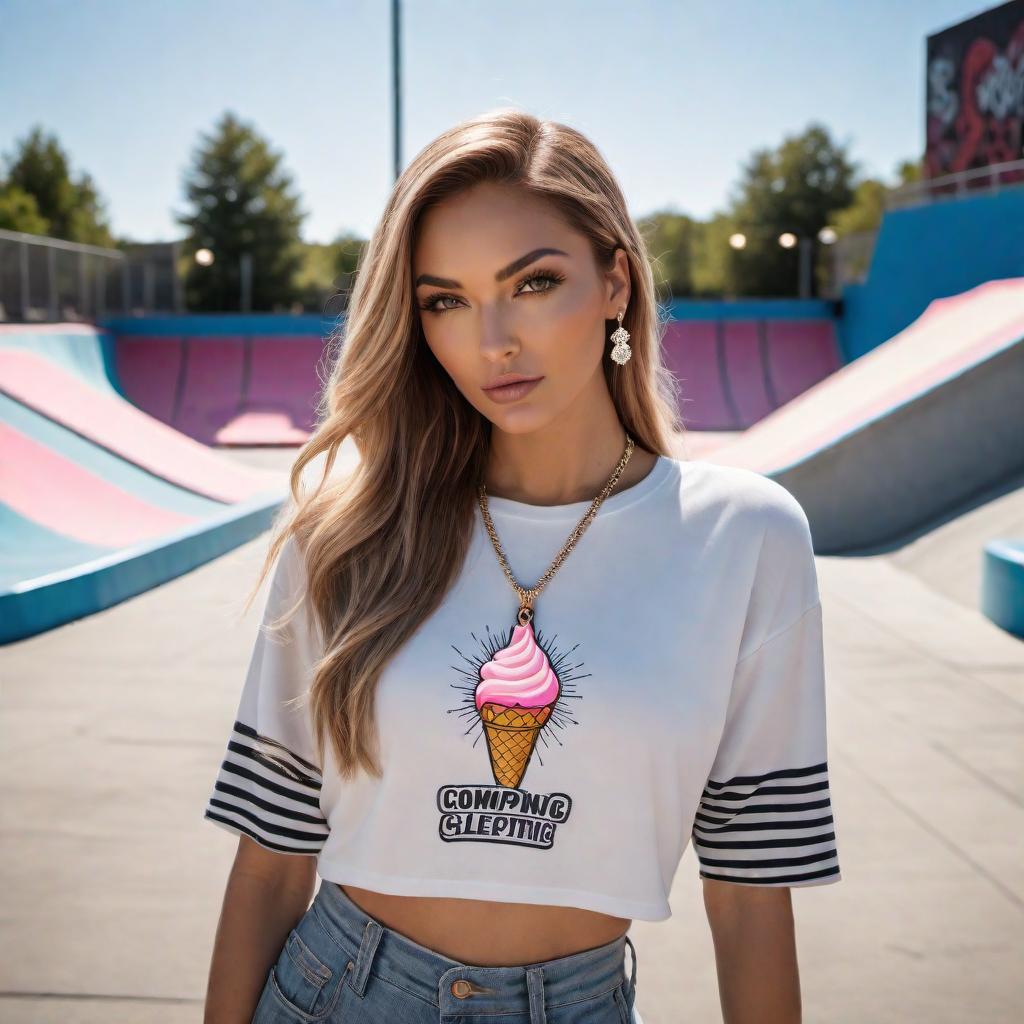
column 798, row 188
column 669, row 239
column 40, row 197
column 241, row 202
column 867, row 208
column 326, row 278
column 712, row 257
column 19, row 211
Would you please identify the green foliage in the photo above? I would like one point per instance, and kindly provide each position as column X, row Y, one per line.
column 348, row 251
column 38, row 195
column 712, row 257
column 805, row 184
column 797, row 187
column 868, row 205
column 669, row 239
column 241, row 202
column 326, row 276
column 908, row 171
column 315, row 276
column 865, row 211
column 19, row 211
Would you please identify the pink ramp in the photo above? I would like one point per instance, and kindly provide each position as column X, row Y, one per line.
column 211, row 394
column 148, row 369
column 800, row 353
column 116, row 425
column 225, row 389
column 690, row 350
column 279, row 403
column 907, row 430
column 745, row 370
column 42, row 485
column 733, row 373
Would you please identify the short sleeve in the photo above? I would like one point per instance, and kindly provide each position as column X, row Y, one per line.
column 269, row 782
column 765, row 815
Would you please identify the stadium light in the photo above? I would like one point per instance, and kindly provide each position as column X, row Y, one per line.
column 790, row 240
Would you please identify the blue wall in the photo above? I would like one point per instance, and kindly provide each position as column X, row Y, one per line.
column 753, row 309
column 222, row 323
column 931, row 252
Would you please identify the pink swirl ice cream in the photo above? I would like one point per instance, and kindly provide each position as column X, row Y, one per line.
column 514, row 698
column 519, row 674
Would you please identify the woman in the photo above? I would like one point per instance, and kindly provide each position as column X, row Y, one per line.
column 524, row 654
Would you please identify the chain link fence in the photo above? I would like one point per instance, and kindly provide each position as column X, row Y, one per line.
column 51, row 280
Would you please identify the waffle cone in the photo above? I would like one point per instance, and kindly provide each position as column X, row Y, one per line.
column 511, row 736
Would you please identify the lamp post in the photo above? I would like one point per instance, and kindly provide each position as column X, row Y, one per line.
column 204, row 257
column 788, row 240
column 396, row 84
column 246, row 275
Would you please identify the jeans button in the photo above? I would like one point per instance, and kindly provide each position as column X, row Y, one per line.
column 461, row 989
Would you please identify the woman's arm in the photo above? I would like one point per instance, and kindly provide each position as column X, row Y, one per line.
column 265, row 897
column 755, row 952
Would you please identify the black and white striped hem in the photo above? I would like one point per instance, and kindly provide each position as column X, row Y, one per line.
column 271, row 795
column 770, row 829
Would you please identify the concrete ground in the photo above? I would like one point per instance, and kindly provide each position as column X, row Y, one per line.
column 113, row 727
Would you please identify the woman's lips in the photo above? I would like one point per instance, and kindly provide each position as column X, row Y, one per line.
column 512, row 392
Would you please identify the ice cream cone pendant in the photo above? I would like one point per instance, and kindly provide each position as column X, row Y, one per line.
column 518, row 687
column 517, row 692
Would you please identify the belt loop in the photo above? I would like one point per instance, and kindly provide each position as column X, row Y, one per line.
column 535, row 989
column 632, row 978
column 364, row 958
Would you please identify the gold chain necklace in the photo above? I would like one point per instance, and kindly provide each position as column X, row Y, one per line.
column 527, row 597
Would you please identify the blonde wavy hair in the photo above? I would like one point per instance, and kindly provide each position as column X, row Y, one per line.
column 383, row 544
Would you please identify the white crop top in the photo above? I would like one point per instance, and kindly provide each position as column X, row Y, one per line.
column 670, row 687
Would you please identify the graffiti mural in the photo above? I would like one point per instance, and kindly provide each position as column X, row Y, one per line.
column 975, row 93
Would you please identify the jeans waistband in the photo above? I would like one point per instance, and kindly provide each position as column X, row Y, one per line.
column 465, row 988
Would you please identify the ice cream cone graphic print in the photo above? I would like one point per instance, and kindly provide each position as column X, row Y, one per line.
column 515, row 696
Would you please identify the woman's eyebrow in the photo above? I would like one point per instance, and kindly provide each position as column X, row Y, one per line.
column 501, row 275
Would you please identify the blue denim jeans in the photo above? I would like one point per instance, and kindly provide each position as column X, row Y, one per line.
column 341, row 966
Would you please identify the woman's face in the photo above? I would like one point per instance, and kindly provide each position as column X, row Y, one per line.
column 504, row 286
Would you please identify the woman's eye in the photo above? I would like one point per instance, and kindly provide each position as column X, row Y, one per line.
column 541, row 277
column 538, row 279
column 431, row 304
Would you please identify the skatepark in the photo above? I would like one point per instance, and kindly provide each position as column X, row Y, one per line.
column 146, row 452
column 142, row 470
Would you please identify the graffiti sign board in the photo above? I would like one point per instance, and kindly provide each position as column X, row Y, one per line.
column 975, row 93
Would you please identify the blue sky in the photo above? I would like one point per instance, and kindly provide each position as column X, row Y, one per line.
column 675, row 94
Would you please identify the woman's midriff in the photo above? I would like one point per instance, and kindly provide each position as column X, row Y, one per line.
column 483, row 933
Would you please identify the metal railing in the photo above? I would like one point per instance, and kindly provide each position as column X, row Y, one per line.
column 45, row 279
column 957, row 185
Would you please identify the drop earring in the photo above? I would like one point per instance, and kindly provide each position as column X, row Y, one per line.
column 621, row 350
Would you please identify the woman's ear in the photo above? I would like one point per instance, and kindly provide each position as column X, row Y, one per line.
column 618, row 285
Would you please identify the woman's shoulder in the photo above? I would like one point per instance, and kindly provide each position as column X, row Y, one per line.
column 744, row 494
column 765, row 536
